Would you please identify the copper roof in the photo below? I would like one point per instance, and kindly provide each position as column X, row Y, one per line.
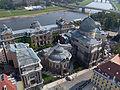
column 8, row 84
column 110, row 68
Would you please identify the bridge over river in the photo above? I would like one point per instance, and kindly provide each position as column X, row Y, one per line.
column 85, row 7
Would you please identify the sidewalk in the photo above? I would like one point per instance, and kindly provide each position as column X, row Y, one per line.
column 55, row 83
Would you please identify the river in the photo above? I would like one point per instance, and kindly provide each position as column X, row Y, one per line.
column 45, row 19
column 50, row 18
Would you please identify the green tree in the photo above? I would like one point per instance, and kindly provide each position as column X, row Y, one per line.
column 6, row 4
column 116, row 49
column 48, row 3
column 109, row 21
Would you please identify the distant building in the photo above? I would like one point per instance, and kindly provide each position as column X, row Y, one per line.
column 40, row 35
column 88, row 42
column 33, row 8
column 28, row 63
column 6, row 35
column 107, row 75
column 7, row 83
column 56, row 59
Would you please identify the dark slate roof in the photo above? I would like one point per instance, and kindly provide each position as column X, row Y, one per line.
column 88, row 25
column 59, row 54
column 85, row 39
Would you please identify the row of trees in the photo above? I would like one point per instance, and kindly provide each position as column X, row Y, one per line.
column 67, row 1
column 109, row 21
column 25, row 40
column 30, row 41
column 9, row 5
column 116, row 49
column 6, row 4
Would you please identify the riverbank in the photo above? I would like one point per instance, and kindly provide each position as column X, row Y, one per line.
column 24, row 13
column 83, row 3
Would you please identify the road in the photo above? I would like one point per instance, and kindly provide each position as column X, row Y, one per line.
column 75, row 83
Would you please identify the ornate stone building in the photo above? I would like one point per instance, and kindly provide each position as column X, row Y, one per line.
column 106, row 75
column 6, row 35
column 28, row 63
column 40, row 35
column 56, row 59
column 88, row 42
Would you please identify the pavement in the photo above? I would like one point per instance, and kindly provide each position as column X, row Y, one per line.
column 89, row 87
column 76, row 82
column 20, row 85
column 78, row 79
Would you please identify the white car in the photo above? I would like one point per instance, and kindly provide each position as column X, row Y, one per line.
column 69, row 78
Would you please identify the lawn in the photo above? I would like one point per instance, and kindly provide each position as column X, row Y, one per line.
column 77, row 67
column 48, row 79
column 5, row 13
column 116, row 5
column 83, row 3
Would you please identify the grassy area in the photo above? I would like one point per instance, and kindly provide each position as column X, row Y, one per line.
column 48, row 79
column 44, row 46
column 84, row 2
column 30, row 41
column 77, row 67
column 4, row 13
column 116, row 5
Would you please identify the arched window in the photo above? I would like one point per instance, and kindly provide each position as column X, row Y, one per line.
column 57, row 66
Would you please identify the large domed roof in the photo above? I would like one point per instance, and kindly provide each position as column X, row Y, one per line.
column 59, row 54
column 88, row 25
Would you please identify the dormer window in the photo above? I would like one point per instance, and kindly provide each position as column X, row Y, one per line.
column 117, row 73
column 99, row 69
column 108, row 68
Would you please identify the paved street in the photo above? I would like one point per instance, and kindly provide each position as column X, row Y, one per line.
column 76, row 82
column 79, row 78
column 89, row 87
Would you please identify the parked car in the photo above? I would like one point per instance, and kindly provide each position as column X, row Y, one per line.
column 69, row 78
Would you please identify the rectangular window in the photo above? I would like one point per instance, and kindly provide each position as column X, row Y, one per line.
column 102, row 82
column 98, row 80
column 32, row 81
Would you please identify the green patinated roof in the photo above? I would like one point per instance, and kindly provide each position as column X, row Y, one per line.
column 88, row 25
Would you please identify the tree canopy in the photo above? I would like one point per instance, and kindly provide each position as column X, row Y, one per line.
column 116, row 49
column 109, row 21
